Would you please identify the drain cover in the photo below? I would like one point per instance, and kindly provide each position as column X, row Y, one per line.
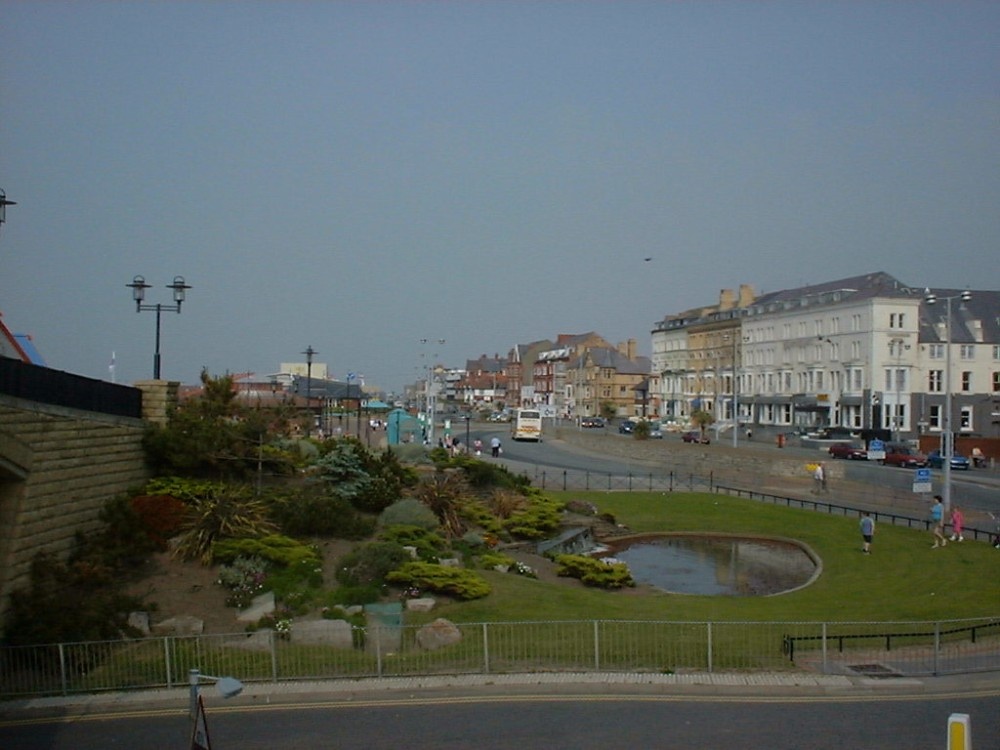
column 874, row 670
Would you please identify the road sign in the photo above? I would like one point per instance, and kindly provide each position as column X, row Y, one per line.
column 876, row 450
column 922, row 480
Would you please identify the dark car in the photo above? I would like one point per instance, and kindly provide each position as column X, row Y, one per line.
column 848, row 451
column 903, row 455
column 694, row 436
column 935, row 460
column 626, row 428
column 592, row 422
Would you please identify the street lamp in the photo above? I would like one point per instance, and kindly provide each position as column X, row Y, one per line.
column 227, row 687
column 736, row 390
column 139, row 287
column 3, row 206
column 309, row 352
column 948, row 437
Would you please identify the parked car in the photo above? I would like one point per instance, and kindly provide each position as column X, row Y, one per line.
column 935, row 460
column 655, row 431
column 848, row 451
column 592, row 422
column 693, row 436
column 903, row 455
column 626, row 427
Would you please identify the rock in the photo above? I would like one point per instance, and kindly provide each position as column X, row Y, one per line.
column 260, row 606
column 438, row 634
column 411, row 550
column 139, row 621
column 259, row 640
column 450, row 562
column 334, row 633
column 421, row 604
column 180, row 625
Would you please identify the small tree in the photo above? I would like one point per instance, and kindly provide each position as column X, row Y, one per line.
column 609, row 410
column 702, row 419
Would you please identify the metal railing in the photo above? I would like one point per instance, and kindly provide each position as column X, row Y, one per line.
column 917, row 648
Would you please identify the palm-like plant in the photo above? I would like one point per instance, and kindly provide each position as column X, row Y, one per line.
column 444, row 493
column 702, row 419
column 229, row 511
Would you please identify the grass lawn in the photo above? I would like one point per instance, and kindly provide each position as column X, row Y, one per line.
column 903, row 578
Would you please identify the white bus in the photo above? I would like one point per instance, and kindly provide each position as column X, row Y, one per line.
column 526, row 425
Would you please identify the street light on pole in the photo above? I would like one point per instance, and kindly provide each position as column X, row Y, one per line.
column 947, row 434
column 897, row 346
column 227, row 687
column 309, row 352
column 139, row 287
column 3, row 206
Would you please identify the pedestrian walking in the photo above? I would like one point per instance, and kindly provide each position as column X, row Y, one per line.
column 819, row 478
column 937, row 522
column 867, row 532
column 956, row 524
column 495, row 446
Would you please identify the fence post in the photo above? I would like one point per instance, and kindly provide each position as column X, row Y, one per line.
column 597, row 646
column 823, row 642
column 937, row 647
column 274, row 656
column 166, row 662
column 378, row 650
column 708, row 644
column 62, row 670
column 587, row 482
column 486, row 648
column 671, row 480
column 565, row 475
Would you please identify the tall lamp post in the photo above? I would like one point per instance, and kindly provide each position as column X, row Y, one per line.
column 309, row 352
column 736, row 390
column 139, row 287
column 948, row 435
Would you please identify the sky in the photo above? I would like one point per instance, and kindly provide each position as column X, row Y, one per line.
column 360, row 177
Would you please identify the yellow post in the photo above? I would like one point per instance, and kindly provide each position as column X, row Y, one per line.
column 959, row 732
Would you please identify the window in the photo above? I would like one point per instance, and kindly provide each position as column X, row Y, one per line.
column 966, row 381
column 934, row 418
column 935, row 381
column 996, row 381
column 856, row 322
column 967, row 351
column 935, row 351
column 896, row 320
column 996, row 351
column 965, row 418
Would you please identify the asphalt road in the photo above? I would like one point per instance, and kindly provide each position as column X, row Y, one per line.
column 582, row 720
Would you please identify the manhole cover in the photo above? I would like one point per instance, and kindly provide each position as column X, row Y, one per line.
column 873, row 670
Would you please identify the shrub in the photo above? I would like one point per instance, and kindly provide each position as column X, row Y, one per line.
column 457, row 582
column 318, row 513
column 538, row 520
column 430, row 546
column 594, row 572
column 408, row 512
column 161, row 517
column 369, row 564
column 274, row 548
column 444, row 493
column 228, row 512
column 484, row 474
column 244, row 578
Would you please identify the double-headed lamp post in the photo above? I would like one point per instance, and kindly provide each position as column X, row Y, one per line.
column 948, row 435
column 309, row 352
column 3, row 206
column 139, row 287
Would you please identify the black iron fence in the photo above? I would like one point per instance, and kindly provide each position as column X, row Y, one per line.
column 47, row 386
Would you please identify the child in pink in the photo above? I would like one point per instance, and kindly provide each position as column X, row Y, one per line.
column 956, row 524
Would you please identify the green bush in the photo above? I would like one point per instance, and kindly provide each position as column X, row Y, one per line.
column 541, row 518
column 408, row 512
column 274, row 548
column 316, row 512
column 429, row 545
column 369, row 564
column 457, row 582
column 594, row 572
column 230, row 512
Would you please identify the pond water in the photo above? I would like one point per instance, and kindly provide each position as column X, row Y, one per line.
column 716, row 565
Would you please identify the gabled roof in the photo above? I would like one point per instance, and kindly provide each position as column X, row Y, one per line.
column 977, row 320
column 18, row 346
column 613, row 359
column 878, row 284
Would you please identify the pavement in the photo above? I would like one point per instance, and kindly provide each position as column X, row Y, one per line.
column 755, row 686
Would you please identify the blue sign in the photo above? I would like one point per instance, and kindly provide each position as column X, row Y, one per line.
column 876, row 445
column 923, row 475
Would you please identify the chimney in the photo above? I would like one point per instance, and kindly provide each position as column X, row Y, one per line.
column 747, row 295
column 727, row 300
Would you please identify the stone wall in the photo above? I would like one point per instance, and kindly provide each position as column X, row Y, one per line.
column 58, row 467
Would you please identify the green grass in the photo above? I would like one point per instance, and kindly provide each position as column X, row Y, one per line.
column 903, row 579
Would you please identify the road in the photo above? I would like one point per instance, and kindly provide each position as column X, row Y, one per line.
column 584, row 720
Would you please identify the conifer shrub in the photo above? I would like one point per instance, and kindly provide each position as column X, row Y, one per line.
column 457, row 582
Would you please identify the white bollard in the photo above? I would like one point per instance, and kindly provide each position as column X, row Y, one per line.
column 959, row 732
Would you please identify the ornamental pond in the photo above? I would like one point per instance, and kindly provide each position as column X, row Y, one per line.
column 716, row 565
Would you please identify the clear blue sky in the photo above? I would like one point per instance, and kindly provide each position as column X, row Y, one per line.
column 357, row 176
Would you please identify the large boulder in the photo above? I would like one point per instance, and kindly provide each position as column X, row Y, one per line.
column 259, row 607
column 438, row 634
column 180, row 625
column 334, row 633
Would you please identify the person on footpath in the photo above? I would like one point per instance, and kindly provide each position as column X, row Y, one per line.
column 819, row 478
column 937, row 522
column 867, row 532
column 495, row 446
column 956, row 524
